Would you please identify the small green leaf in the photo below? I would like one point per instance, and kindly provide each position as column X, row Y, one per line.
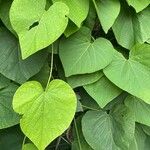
column 132, row 75
column 79, row 55
column 102, row 91
column 80, row 80
column 138, row 4
column 11, row 64
column 37, row 28
column 78, row 10
column 8, row 117
column 107, row 11
column 140, row 109
column 46, row 114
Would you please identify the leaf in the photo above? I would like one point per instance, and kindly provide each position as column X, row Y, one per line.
column 35, row 27
column 127, row 29
column 11, row 64
column 46, row 114
column 11, row 138
column 141, row 140
column 78, row 10
column 8, row 117
column 3, row 81
column 131, row 28
column 146, row 129
column 140, row 109
column 139, row 5
column 29, row 146
column 79, row 142
column 108, row 132
column 4, row 14
column 144, row 20
column 132, row 75
column 84, row 79
column 80, row 56
column 107, row 11
column 102, row 91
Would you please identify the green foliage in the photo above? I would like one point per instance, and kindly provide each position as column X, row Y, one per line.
column 74, row 74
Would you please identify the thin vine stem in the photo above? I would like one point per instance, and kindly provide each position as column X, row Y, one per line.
column 76, row 129
column 51, row 69
column 23, row 143
column 90, row 108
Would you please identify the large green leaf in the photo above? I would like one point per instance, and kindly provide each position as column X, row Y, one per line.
column 46, row 113
column 132, row 75
column 11, row 64
column 79, row 55
column 11, row 138
column 138, row 4
column 102, row 91
column 108, row 132
column 79, row 142
column 140, row 109
column 78, row 10
column 37, row 28
column 8, row 117
column 107, row 11
column 84, row 79
column 131, row 28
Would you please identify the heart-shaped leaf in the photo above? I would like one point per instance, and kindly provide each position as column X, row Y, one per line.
column 80, row 56
column 46, row 114
column 37, row 28
column 11, row 64
column 78, row 10
column 132, row 75
column 112, row 131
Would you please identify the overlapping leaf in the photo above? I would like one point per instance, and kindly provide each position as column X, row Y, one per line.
column 133, row 74
column 36, row 27
column 107, row 11
column 11, row 64
column 78, row 10
column 139, row 4
column 79, row 55
column 105, row 132
column 140, row 109
column 131, row 28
